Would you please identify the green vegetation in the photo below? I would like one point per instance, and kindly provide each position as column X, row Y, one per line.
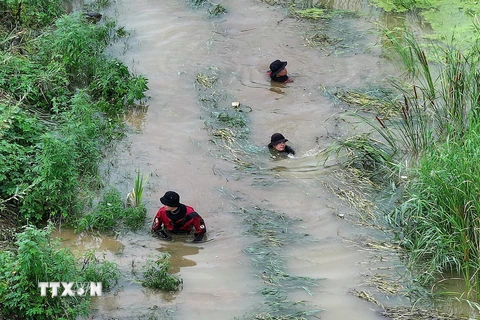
column 443, row 16
column 61, row 104
column 403, row 5
column 312, row 14
column 156, row 275
column 213, row 9
column 217, row 10
column 38, row 259
column 111, row 212
column 428, row 153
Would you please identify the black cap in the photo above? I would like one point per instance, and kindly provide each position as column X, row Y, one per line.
column 171, row 199
column 277, row 66
column 277, row 138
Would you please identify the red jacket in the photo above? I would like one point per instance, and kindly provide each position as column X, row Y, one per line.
column 191, row 220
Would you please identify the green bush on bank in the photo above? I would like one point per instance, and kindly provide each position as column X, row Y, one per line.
column 111, row 212
column 62, row 101
column 31, row 13
column 38, row 259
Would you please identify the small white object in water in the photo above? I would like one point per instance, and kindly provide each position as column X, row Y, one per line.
column 341, row 215
column 291, row 156
column 236, row 104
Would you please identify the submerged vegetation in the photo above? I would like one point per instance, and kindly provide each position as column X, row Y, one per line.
column 156, row 275
column 230, row 132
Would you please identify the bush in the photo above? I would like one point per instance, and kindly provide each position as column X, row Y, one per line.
column 105, row 272
column 38, row 260
column 108, row 212
column 32, row 13
column 156, row 275
column 55, row 194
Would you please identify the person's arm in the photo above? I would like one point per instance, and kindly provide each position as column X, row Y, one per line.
column 200, row 227
column 158, row 226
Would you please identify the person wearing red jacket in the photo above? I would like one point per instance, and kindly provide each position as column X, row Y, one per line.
column 177, row 218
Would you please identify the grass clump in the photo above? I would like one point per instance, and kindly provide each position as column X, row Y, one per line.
column 156, row 275
column 428, row 154
column 217, row 10
column 111, row 212
column 312, row 14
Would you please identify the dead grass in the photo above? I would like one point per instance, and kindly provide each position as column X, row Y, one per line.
column 369, row 103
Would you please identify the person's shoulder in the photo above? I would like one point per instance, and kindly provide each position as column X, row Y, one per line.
column 289, row 149
column 161, row 211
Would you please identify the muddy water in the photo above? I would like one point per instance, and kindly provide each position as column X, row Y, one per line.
column 170, row 44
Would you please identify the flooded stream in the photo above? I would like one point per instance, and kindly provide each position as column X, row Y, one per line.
column 170, row 44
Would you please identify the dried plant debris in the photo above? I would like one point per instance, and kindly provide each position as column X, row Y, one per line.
column 367, row 296
column 404, row 313
column 321, row 39
column 205, row 80
column 386, row 107
column 383, row 284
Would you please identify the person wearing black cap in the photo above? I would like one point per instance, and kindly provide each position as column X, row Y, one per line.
column 177, row 218
column 278, row 72
column 278, row 146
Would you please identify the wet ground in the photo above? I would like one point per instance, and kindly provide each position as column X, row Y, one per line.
column 170, row 44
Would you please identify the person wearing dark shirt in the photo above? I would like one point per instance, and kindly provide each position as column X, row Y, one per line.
column 278, row 146
column 278, row 72
column 175, row 217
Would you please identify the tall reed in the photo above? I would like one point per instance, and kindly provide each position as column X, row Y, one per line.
column 134, row 198
column 437, row 130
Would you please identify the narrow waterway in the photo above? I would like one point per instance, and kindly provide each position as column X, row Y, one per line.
column 170, row 44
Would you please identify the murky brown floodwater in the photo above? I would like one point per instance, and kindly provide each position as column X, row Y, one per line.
column 170, row 44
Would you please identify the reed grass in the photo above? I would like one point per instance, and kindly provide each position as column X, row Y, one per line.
column 135, row 198
column 435, row 140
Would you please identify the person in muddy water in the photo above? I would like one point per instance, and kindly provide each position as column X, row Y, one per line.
column 278, row 146
column 177, row 218
column 278, row 72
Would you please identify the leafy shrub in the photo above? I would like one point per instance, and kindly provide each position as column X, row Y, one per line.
column 43, row 85
column 116, row 88
column 38, row 260
column 108, row 212
column 134, row 217
column 90, row 131
column 156, row 275
column 33, row 13
column 55, row 194
column 19, row 134
column 105, row 272
column 75, row 44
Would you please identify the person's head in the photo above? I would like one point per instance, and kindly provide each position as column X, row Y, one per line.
column 278, row 142
column 171, row 200
column 278, row 69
